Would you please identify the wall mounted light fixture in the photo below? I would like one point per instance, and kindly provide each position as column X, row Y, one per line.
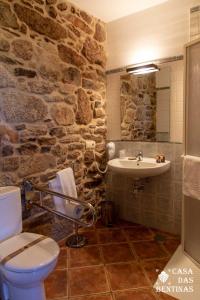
column 145, row 69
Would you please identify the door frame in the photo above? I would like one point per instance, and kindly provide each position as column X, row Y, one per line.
column 185, row 109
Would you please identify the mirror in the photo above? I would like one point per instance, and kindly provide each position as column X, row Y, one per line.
column 145, row 106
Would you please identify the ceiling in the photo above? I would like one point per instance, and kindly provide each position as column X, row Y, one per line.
column 110, row 10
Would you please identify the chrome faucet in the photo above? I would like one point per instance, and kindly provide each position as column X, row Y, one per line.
column 139, row 156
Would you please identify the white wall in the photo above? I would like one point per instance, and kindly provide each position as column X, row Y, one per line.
column 113, row 107
column 155, row 33
column 176, row 101
column 158, row 32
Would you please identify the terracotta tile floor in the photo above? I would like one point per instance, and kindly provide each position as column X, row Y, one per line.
column 119, row 263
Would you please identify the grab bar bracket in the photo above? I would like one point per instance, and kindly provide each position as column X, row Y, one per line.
column 75, row 240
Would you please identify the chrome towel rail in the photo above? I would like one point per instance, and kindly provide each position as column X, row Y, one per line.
column 29, row 187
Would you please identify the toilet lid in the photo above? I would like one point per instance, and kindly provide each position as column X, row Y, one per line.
column 33, row 258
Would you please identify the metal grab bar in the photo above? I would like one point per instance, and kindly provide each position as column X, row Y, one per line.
column 29, row 187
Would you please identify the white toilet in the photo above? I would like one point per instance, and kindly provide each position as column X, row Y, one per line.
column 22, row 274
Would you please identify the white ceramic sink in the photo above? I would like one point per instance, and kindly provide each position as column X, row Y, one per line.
column 138, row 169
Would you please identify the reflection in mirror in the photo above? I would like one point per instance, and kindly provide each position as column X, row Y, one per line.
column 145, row 106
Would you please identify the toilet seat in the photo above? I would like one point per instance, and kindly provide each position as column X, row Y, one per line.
column 32, row 259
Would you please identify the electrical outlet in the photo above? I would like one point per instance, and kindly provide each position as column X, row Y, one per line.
column 90, row 144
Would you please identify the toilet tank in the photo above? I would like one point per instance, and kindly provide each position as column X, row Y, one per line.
column 10, row 212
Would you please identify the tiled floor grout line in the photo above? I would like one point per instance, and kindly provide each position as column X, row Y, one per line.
column 86, row 266
column 167, row 251
column 145, row 274
column 133, row 250
column 133, row 289
column 105, row 270
column 136, row 259
column 131, row 245
column 89, row 266
column 83, row 296
column 124, row 242
column 156, row 295
column 139, row 289
column 112, row 294
column 68, row 277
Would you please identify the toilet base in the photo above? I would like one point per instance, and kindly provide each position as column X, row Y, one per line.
column 11, row 292
column 76, row 241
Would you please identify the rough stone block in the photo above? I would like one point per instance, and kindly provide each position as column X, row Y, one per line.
column 94, row 52
column 100, row 33
column 47, row 140
column 78, row 23
column 40, row 24
column 40, row 87
column 10, row 164
column 85, row 17
column 70, row 56
column 62, row 6
column 57, row 131
column 37, row 163
column 28, row 149
column 7, row 18
column 8, row 133
column 71, row 76
column 22, row 49
column 52, row 12
column 84, row 112
column 21, row 107
column 62, row 114
column 7, row 150
column 6, row 79
column 25, row 72
column 4, row 45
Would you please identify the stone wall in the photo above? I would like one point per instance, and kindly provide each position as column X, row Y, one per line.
column 52, row 93
column 138, row 107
